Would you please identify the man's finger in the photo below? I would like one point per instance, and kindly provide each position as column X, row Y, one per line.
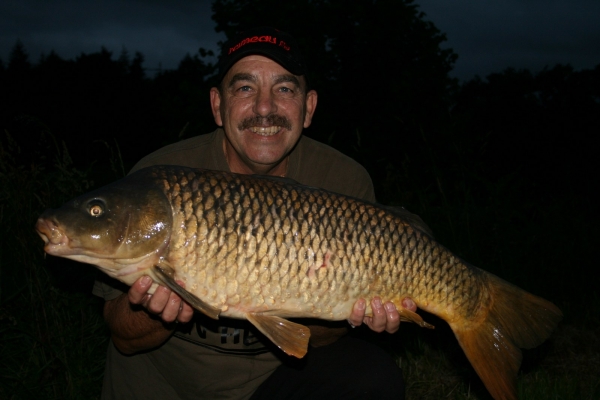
column 379, row 318
column 393, row 318
column 185, row 313
column 409, row 304
column 138, row 293
column 358, row 313
column 159, row 300
column 172, row 308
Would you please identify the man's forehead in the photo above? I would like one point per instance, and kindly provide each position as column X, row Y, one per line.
column 250, row 68
column 256, row 61
column 255, row 78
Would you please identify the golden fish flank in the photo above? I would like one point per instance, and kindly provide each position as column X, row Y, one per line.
column 265, row 249
column 309, row 250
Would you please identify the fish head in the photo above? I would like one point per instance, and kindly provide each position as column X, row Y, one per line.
column 121, row 228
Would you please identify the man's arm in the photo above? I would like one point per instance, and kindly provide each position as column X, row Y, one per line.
column 140, row 321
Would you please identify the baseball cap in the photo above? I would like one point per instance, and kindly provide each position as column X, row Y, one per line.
column 279, row 46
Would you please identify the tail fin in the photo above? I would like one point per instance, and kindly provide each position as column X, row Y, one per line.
column 516, row 319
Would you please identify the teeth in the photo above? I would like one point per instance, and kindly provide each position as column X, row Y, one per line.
column 265, row 130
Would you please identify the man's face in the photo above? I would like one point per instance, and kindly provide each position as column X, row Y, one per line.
column 262, row 108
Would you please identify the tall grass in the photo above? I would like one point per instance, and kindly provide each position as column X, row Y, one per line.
column 53, row 338
column 542, row 239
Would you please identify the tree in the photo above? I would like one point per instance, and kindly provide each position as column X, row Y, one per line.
column 183, row 98
column 543, row 125
column 18, row 61
column 381, row 74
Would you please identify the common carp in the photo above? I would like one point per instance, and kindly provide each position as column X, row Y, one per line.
column 266, row 249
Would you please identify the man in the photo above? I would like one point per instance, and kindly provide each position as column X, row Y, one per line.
column 160, row 348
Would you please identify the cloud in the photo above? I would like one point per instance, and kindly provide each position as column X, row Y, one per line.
column 163, row 31
column 489, row 37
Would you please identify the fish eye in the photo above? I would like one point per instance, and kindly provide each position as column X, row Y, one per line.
column 96, row 211
column 96, row 208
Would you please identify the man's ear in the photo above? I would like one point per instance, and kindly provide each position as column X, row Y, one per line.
column 215, row 105
column 311, row 105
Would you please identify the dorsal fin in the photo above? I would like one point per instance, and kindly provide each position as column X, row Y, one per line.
column 413, row 219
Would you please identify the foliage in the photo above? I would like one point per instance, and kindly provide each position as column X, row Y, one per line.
column 545, row 121
column 53, row 336
column 96, row 99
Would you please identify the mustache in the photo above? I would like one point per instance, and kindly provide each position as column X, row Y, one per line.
column 273, row 119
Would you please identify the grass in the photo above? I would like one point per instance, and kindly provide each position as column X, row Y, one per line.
column 53, row 339
column 563, row 368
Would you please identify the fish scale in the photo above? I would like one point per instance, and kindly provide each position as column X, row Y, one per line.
column 265, row 249
column 239, row 214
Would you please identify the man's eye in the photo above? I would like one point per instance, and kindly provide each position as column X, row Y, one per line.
column 284, row 89
column 244, row 88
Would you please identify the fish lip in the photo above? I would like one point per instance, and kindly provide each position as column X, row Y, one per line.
column 47, row 230
column 55, row 240
column 44, row 237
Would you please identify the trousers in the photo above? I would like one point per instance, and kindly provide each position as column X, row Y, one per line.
column 349, row 368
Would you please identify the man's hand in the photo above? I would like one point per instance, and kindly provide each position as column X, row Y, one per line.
column 164, row 302
column 134, row 329
column 385, row 316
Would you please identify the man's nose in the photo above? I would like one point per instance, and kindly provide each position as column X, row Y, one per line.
column 265, row 103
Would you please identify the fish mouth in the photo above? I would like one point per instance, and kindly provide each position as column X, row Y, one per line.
column 56, row 242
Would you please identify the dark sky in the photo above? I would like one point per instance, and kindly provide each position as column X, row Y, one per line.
column 488, row 36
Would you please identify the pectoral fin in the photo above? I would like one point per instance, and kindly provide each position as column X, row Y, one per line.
column 165, row 275
column 290, row 337
column 411, row 316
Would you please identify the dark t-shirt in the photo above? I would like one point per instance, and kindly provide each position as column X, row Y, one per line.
column 224, row 359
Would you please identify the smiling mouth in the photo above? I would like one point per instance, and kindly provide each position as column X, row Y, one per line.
column 266, row 126
column 265, row 130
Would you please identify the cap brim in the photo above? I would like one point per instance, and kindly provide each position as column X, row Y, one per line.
column 279, row 59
